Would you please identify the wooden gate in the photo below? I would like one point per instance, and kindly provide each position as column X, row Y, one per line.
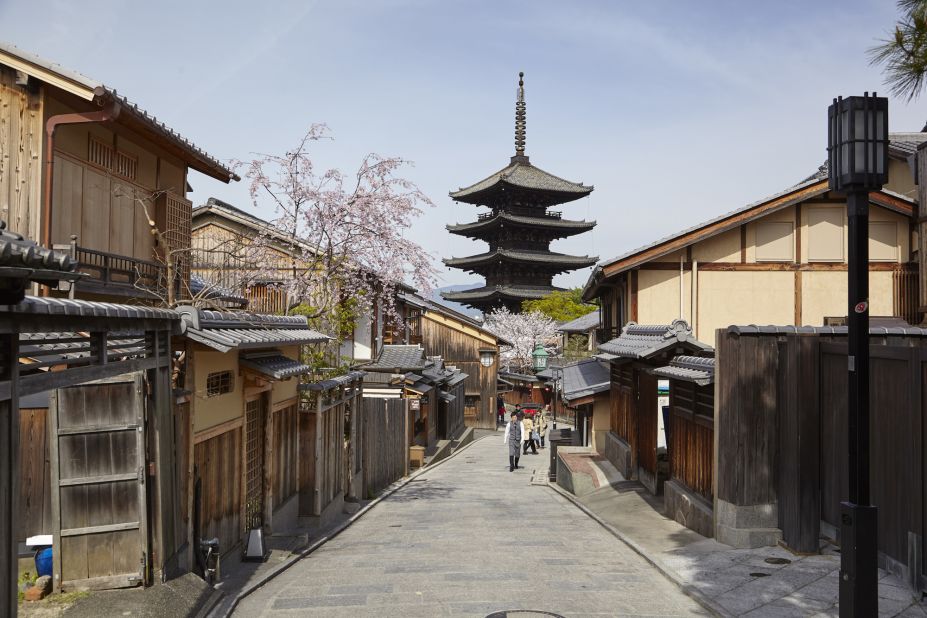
column 99, row 514
column 256, row 411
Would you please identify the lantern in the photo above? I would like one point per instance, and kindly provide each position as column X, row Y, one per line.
column 857, row 143
column 487, row 357
column 539, row 356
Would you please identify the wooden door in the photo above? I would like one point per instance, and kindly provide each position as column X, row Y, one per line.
column 647, row 421
column 99, row 512
column 255, row 413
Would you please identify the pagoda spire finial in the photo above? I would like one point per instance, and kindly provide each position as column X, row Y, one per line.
column 520, row 117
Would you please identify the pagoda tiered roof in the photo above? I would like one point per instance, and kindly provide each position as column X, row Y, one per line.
column 519, row 264
column 554, row 225
column 521, row 176
column 559, row 261
column 492, row 294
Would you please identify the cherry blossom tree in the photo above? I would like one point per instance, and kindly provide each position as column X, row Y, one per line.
column 525, row 331
column 348, row 230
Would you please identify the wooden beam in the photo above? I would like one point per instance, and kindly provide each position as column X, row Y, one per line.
column 9, row 478
column 743, row 243
column 633, row 286
column 777, row 266
column 797, row 259
column 218, row 430
column 798, row 308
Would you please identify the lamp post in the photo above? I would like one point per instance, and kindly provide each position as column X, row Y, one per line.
column 857, row 162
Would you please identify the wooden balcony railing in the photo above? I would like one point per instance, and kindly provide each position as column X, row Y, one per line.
column 113, row 269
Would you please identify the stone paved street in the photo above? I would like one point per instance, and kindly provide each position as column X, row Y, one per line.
column 467, row 539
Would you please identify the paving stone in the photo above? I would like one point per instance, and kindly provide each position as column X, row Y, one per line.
column 488, row 541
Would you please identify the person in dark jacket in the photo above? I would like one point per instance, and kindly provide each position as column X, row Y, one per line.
column 514, row 430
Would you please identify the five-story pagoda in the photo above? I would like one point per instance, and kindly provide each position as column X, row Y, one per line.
column 519, row 228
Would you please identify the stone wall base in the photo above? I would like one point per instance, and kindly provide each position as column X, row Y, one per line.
column 688, row 508
column 653, row 482
column 328, row 515
column 618, row 452
column 746, row 527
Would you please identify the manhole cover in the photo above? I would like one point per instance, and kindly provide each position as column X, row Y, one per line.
column 759, row 574
column 777, row 561
column 521, row 613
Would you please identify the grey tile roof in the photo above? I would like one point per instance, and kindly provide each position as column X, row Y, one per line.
column 127, row 107
column 336, row 382
column 72, row 345
column 545, row 257
column 697, row 369
column 34, row 305
column 399, row 358
column 22, row 261
column 640, row 341
column 228, row 330
column 523, row 175
column 587, row 377
column 425, row 304
column 900, row 145
column 200, row 286
column 551, row 223
column 901, row 331
column 905, row 144
column 274, row 364
column 582, row 324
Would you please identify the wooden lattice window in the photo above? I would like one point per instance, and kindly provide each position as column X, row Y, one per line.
column 101, row 153
column 178, row 214
column 126, row 165
column 117, row 161
column 219, row 383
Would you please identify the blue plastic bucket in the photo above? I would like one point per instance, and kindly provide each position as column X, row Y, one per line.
column 43, row 562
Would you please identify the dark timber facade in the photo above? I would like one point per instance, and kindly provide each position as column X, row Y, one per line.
column 519, row 228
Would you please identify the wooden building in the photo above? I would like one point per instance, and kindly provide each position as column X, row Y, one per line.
column 632, row 440
column 585, row 388
column 519, row 228
column 63, row 345
column 240, row 378
column 462, row 342
column 689, row 491
column 782, row 260
column 433, row 388
column 83, row 168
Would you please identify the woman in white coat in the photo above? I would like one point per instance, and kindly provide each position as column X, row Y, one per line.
column 514, row 430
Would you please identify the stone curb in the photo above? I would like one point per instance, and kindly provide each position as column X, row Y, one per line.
column 694, row 593
column 277, row 570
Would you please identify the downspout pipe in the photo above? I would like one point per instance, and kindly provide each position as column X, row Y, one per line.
column 108, row 113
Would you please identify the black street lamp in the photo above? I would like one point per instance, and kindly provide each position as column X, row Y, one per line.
column 857, row 162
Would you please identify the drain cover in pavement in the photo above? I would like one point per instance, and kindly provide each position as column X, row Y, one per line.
column 522, row 613
column 777, row 561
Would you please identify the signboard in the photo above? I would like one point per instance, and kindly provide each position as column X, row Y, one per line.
column 413, row 404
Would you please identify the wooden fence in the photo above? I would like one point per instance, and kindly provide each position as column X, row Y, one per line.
column 285, row 454
column 691, row 436
column 323, row 468
column 783, row 435
column 218, row 463
column 385, row 443
column 34, row 474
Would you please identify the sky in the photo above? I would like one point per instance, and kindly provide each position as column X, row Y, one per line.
column 676, row 112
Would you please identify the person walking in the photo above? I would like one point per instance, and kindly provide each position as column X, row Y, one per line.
column 542, row 424
column 528, row 427
column 513, row 433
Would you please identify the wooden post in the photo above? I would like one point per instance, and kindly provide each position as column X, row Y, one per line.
column 9, row 475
